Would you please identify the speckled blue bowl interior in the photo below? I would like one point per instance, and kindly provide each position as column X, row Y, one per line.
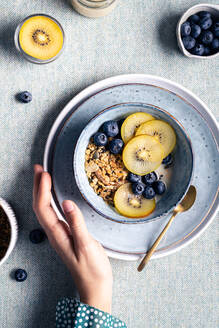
column 181, row 169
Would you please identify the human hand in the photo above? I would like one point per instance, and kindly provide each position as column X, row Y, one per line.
column 84, row 256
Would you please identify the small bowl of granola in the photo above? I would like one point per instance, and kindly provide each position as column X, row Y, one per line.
column 8, row 230
column 133, row 162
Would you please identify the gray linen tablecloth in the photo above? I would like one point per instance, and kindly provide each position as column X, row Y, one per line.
column 138, row 37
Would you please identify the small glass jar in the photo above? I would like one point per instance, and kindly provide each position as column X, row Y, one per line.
column 94, row 8
column 39, row 36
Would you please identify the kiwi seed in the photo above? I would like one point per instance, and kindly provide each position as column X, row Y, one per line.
column 134, row 202
column 41, row 37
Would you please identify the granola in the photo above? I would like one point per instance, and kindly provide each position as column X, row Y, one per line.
column 105, row 171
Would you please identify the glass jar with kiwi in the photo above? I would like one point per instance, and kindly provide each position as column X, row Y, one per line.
column 94, row 8
column 39, row 38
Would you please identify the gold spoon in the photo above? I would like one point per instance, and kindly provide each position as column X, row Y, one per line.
column 185, row 205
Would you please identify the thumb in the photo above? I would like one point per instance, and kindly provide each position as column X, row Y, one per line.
column 76, row 223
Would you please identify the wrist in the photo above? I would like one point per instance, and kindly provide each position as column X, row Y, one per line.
column 105, row 307
column 100, row 302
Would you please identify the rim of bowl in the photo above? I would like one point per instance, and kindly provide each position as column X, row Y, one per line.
column 127, row 220
column 182, row 19
column 14, row 228
column 28, row 57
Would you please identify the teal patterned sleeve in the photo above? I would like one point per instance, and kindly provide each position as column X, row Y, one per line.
column 71, row 313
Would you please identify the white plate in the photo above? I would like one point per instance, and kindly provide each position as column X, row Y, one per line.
column 195, row 221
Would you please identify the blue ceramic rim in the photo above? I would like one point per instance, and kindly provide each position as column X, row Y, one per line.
column 130, row 220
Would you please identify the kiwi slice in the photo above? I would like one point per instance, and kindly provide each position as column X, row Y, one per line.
column 130, row 205
column 41, row 37
column 131, row 123
column 162, row 130
column 142, row 154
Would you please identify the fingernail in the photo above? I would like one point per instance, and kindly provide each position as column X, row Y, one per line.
column 68, row 206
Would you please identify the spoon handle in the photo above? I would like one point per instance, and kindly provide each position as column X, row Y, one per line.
column 156, row 243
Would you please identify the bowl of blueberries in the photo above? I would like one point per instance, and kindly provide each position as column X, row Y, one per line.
column 198, row 31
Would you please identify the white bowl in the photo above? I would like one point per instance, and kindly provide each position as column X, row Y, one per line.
column 14, row 228
column 213, row 9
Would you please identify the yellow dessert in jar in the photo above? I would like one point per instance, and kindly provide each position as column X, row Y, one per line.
column 41, row 37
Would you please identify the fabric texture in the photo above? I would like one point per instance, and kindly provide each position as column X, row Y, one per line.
column 178, row 291
column 71, row 313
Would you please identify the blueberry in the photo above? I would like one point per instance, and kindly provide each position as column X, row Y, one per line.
column 206, row 37
column 133, row 177
column 215, row 29
column 150, row 178
column 215, row 45
column 203, row 14
column 207, row 51
column 25, row 96
column 110, row 128
column 198, row 50
column 167, row 160
column 100, row 139
column 159, row 187
column 188, row 42
column 185, row 29
column 138, row 188
column 148, row 192
column 20, row 275
column 205, row 23
column 37, row 236
column 115, row 146
column 195, row 30
column 193, row 19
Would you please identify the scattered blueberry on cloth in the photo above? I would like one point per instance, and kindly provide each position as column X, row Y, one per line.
column 37, row 236
column 24, row 97
column 20, row 275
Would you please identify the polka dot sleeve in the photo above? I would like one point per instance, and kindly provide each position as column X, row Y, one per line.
column 71, row 313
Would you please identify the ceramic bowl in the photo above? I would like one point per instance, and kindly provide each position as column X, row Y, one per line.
column 14, row 228
column 181, row 172
column 213, row 9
